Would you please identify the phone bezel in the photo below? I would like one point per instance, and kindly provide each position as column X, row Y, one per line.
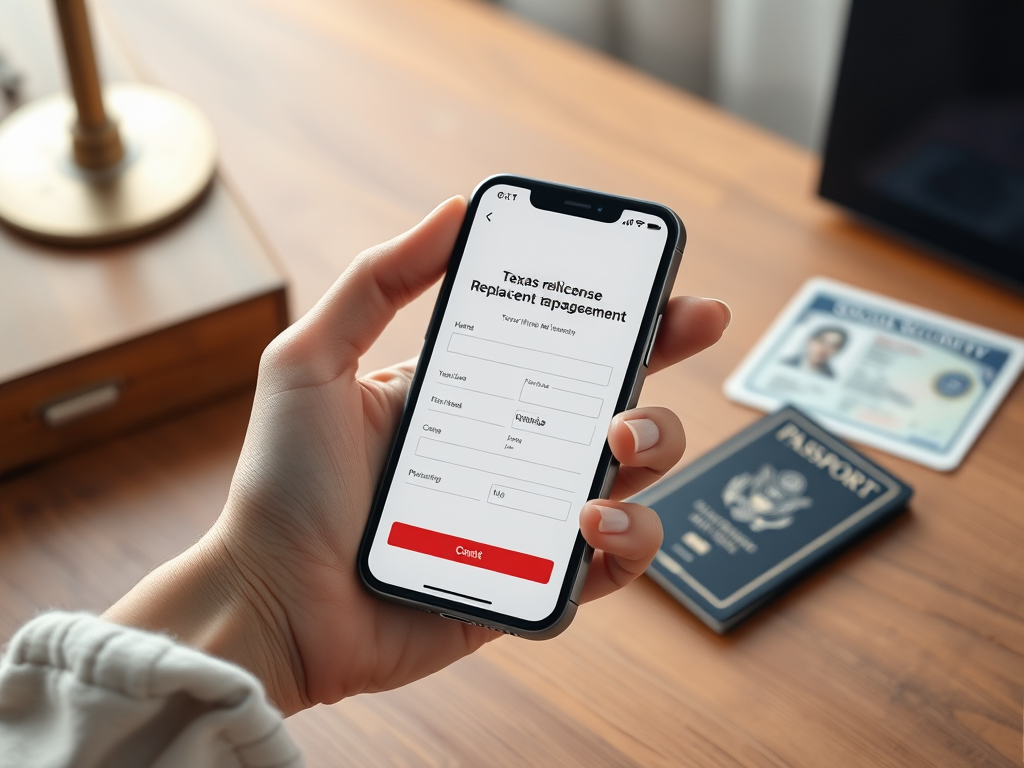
column 548, row 194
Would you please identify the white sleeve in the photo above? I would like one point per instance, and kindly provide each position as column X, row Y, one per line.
column 76, row 690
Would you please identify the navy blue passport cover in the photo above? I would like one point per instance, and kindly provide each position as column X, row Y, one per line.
column 760, row 511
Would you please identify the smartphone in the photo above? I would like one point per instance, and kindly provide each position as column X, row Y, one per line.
column 542, row 332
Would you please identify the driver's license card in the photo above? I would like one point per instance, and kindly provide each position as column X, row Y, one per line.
column 912, row 382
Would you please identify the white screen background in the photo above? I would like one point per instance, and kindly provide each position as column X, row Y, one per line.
column 496, row 358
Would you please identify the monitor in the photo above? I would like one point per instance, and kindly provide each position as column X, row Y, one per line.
column 927, row 130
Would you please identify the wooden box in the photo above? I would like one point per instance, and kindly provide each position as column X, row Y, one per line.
column 97, row 341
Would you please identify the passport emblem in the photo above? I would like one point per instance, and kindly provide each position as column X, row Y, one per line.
column 767, row 499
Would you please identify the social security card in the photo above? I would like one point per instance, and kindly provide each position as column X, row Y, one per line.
column 898, row 377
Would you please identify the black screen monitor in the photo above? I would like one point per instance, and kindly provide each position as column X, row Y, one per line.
column 927, row 130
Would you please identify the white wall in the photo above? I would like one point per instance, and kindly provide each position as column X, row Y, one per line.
column 775, row 63
column 770, row 61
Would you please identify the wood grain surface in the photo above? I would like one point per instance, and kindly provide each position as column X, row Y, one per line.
column 342, row 122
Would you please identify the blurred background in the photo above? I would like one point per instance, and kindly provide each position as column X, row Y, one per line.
column 772, row 62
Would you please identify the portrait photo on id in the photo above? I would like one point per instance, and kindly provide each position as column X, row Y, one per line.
column 821, row 346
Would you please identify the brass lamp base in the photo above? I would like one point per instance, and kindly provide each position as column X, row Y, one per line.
column 169, row 159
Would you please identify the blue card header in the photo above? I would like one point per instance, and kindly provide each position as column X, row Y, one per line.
column 866, row 315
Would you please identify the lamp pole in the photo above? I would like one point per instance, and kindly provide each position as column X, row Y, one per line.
column 97, row 144
column 135, row 158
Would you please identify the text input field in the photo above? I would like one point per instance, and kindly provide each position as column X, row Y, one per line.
column 525, row 501
column 542, row 393
column 530, row 359
column 496, row 464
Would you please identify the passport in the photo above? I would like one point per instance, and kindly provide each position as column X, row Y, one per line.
column 754, row 515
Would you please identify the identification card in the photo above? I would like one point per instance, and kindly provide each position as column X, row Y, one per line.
column 916, row 383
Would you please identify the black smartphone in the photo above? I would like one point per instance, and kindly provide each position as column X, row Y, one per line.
column 542, row 332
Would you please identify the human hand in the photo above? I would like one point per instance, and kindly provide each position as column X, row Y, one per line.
column 273, row 585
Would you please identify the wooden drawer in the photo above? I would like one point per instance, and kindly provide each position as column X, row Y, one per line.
column 130, row 384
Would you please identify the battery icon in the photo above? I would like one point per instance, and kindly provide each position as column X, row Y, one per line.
column 651, row 225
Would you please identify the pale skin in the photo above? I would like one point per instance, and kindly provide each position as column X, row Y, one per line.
column 273, row 587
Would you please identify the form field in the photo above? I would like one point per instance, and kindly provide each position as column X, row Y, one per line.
column 559, row 426
column 496, row 464
column 542, row 393
column 530, row 359
column 524, row 501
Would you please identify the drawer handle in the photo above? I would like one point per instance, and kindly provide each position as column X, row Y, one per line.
column 81, row 403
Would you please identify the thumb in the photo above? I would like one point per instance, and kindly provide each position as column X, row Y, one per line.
column 335, row 333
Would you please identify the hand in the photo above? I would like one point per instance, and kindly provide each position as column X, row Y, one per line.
column 273, row 585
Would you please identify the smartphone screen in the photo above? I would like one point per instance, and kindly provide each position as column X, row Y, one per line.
column 503, row 441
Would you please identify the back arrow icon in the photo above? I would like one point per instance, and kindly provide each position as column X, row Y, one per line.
column 489, row 215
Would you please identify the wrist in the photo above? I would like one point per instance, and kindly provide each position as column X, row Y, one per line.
column 204, row 598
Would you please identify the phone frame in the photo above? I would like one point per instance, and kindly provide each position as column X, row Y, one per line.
column 570, row 201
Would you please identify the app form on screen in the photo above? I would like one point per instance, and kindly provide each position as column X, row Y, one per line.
column 515, row 405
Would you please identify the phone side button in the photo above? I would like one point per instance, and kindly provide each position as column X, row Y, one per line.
column 650, row 345
column 609, row 480
column 455, row 618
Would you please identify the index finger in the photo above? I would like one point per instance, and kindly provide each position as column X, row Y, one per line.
column 333, row 335
column 690, row 324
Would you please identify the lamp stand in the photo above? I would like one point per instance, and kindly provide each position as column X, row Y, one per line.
column 112, row 164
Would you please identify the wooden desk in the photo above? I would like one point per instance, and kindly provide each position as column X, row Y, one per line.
column 344, row 122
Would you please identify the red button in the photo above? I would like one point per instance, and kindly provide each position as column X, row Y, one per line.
column 473, row 553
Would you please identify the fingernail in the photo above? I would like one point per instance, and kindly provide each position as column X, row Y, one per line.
column 645, row 433
column 613, row 520
column 726, row 310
